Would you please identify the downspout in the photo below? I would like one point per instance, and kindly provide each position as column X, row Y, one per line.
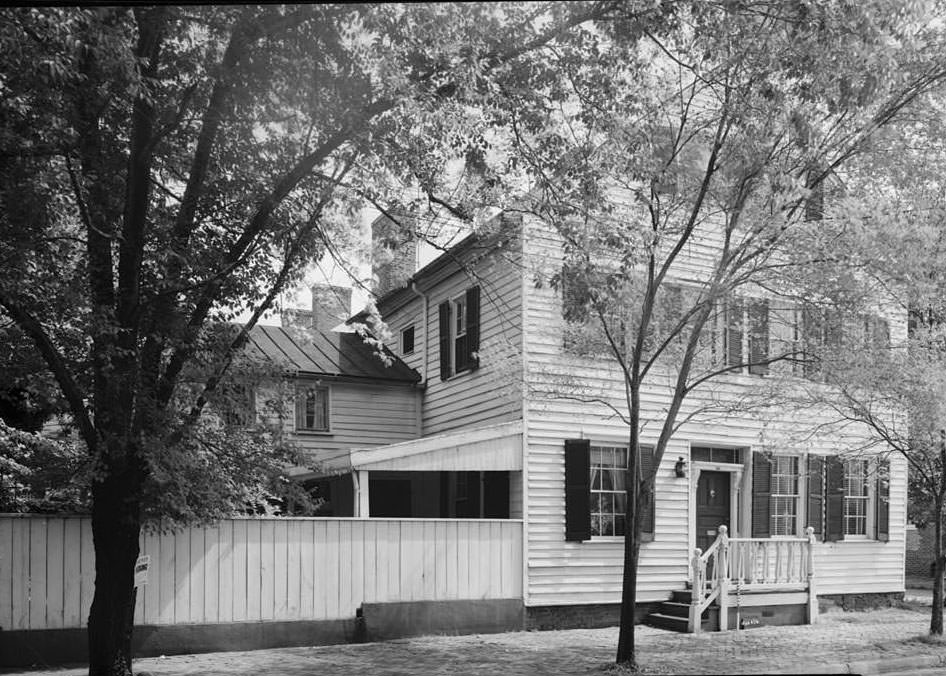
column 420, row 294
column 424, row 358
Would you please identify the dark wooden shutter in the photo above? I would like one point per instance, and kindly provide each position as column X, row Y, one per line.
column 734, row 325
column 577, row 490
column 473, row 327
column 647, row 518
column 758, row 336
column 761, row 495
column 445, row 365
column 816, row 494
column 882, row 512
column 812, row 336
column 834, row 499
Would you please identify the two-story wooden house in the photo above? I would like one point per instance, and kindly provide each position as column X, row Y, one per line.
column 494, row 434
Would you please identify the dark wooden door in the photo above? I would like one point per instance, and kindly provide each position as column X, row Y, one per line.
column 712, row 507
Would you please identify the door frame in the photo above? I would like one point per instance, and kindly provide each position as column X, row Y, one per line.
column 736, row 515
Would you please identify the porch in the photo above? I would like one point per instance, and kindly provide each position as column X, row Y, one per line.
column 738, row 583
column 463, row 474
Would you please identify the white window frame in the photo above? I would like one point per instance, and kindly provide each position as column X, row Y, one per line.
column 612, row 492
column 302, row 392
column 774, row 497
column 868, row 499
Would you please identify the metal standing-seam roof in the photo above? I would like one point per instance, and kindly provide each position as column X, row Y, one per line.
column 313, row 352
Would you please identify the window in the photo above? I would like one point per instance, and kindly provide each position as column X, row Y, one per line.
column 608, row 494
column 746, row 335
column 857, row 496
column 407, row 340
column 783, row 513
column 460, row 333
column 821, row 332
column 312, row 408
column 839, row 498
column 595, row 490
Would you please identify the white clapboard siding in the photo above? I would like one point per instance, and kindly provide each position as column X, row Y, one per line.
column 362, row 415
column 242, row 570
column 492, row 393
column 561, row 572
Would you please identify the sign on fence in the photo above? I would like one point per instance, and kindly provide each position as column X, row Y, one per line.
column 141, row 570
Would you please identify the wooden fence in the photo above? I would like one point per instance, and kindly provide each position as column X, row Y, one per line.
column 260, row 569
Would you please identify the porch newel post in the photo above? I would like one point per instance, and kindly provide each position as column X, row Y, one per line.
column 812, row 593
column 722, row 578
column 696, row 592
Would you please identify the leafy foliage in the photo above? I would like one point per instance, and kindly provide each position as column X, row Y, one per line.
column 40, row 474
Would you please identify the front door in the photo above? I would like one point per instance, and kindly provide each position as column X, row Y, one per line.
column 712, row 506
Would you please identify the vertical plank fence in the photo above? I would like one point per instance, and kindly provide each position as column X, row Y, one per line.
column 241, row 570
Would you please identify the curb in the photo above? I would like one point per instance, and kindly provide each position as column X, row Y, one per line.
column 868, row 666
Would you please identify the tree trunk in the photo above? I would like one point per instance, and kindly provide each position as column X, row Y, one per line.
column 627, row 653
column 936, row 617
column 116, row 525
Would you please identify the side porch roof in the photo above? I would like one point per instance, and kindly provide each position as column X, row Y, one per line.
column 492, row 448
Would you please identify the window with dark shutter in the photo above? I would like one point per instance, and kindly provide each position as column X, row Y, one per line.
column 460, row 333
column 761, row 493
column 445, row 335
column 834, row 499
column 577, row 490
column 883, row 501
column 758, row 336
column 816, row 494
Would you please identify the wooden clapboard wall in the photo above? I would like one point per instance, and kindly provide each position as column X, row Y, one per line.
column 259, row 569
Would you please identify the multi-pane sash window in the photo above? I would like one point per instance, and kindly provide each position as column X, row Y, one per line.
column 856, row 497
column 312, row 408
column 608, row 494
column 784, row 501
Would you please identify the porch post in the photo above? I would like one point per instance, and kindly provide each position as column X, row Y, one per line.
column 696, row 593
column 360, row 480
column 812, row 593
column 722, row 578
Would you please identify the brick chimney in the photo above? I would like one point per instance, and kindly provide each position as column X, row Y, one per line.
column 393, row 255
column 331, row 305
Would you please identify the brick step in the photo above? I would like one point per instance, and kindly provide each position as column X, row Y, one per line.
column 674, row 609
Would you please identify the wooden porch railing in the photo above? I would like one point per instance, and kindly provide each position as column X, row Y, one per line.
column 750, row 564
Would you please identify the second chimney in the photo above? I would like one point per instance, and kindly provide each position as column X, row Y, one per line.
column 394, row 255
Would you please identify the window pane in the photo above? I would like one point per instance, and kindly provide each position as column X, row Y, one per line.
column 608, row 499
column 784, row 495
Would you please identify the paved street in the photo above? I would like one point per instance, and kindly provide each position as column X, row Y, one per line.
column 839, row 637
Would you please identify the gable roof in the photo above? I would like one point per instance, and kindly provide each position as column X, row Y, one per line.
column 308, row 351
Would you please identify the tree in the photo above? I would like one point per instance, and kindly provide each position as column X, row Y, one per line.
column 720, row 135
column 166, row 167
column 893, row 390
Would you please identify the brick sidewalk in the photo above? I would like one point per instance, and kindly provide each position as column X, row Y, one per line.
column 839, row 637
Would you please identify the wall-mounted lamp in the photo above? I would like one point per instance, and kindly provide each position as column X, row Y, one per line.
column 680, row 468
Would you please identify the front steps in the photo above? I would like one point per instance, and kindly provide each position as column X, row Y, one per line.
column 675, row 614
